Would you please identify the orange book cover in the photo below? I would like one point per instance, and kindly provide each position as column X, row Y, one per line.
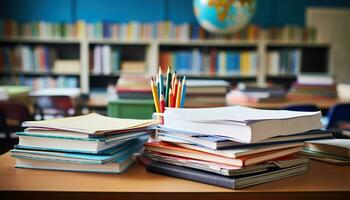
column 167, row 148
column 164, row 61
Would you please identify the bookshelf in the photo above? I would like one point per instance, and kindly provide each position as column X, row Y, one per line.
column 314, row 57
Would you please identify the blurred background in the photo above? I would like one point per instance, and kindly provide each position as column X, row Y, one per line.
column 68, row 57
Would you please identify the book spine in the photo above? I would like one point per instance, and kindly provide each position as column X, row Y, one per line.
column 191, row 174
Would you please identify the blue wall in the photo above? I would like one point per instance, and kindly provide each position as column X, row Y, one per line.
column 269, row 12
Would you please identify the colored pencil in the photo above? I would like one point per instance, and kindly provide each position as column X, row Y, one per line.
column 155, row 95
column 183, row 92
column 168, row 85
column 173, row 81
column 160, row 81
column 170, row 103
column 175, row 93
column 162, row 103
column 178, row 95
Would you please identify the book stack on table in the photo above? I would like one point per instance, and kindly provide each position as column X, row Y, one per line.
column 232, row 147
column 335, row 151
column 87, row 143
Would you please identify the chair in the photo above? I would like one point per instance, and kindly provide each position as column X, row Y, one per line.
column 53, row 106
column 12, row 114
column 302, row 107
column 338, row 114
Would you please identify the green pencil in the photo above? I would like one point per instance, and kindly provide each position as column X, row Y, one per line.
column 168, row 85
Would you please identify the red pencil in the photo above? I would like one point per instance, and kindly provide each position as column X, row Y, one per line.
column 162, row 103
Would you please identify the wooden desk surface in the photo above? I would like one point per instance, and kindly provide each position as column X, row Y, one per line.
column 323, row 181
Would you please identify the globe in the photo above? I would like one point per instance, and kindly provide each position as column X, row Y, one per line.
column 223, row 16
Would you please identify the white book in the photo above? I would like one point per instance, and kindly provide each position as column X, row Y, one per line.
column 106, row 60
column 314, row 79
column 273, row 63
column 97, row 60
column 242, row 124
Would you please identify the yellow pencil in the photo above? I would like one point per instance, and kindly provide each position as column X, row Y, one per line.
column 170, row 99
column 155, row 96
column 178, row 95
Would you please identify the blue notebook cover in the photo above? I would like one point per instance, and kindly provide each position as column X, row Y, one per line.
column 123, row 150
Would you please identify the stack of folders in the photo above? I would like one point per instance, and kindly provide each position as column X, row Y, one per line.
column 232, row 147
column 87, row 143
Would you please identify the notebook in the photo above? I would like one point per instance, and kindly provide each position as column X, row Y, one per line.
column 80, row 145
column 244, row 160
column 338, row 147
column 117, row 166
column 93, row 124
column 127, row 148
column 232, row 182
column 226, row 170
column 242, row 124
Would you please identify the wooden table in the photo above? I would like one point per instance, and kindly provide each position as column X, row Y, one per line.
column 323, row 181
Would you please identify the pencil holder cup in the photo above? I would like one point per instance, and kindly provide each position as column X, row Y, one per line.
column 159, row 117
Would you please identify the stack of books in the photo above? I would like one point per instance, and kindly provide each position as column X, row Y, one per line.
column 314, row 85
column 133, row 87
column 232, row 147
column 205, row 93
column 88, row 143
column 335, row 151
column 252, row 92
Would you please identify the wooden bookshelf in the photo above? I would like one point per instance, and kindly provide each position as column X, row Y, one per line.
column 151, row 49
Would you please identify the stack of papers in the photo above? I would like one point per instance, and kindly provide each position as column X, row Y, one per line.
column 242, row 124
column 91, row 143
column 232, row 147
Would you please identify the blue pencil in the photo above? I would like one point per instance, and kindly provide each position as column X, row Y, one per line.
column 183, row 92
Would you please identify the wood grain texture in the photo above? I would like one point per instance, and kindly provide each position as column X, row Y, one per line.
column 323, row 181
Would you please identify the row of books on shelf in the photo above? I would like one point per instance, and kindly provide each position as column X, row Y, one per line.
column 26, row 58
column 215, row 62
column 284, row 62
column 41, row 29
column 37, row 83
column 291, row 33
column 105, row 59
column 39, row 58
column 137, row 30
